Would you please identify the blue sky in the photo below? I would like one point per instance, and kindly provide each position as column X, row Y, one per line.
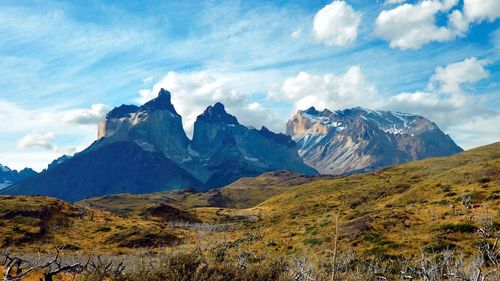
column 63, row 64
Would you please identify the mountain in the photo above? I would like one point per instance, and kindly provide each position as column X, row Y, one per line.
column 143, row 149
column 358, row 139
column 58, row 161
column 154, row 126
column 229, row 150
column 9, row 177
column 114, row 168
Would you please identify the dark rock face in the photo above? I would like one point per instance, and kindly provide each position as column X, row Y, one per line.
column 145, row 149
column 9, row 177
column 122, row 111
column 217, row 114
column 120, row 167
column 58, row 161
column 230, row 151
column 357, row 139
column 154, row 126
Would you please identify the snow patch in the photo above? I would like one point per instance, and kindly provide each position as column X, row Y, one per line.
column 5, row 184
column 186, row 159
column 251, row 159
column 192, row 152
column 4, row 168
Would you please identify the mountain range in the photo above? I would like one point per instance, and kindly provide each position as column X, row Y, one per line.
column 360, row 140
column 9, row 177
column 143, row 149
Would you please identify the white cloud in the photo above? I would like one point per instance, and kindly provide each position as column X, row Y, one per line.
column 479, row 10
column 28, row 132
column 296, row 33
column 476, row 131
column 90, row 116
column 451, row 78
column 328, row 91
column 447, row 103
column 336, row 24
column 193, row 92
column 444, row 109
column 37, row 140
column 409, row 26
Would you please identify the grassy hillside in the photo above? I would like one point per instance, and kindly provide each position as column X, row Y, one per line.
column 434, row 204
column 431, row 206
column 244, row 193
column 33, row 223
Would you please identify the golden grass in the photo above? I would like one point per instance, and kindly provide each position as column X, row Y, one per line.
column 399, row 210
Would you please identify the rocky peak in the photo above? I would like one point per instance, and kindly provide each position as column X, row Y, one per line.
column 161, row 102
column 276, row 137
column 365, row 139
column 122, row 111
column 58, row 161
column 217, row 114
column 311, row 110
column 4, row 168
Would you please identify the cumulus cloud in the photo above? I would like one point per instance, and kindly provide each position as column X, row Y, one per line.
column 479, row 10
column 444, row 109
column 90, row 116
column 446, row 102
column 37, row 140
column 336, row 24
column 193, row 92
column 452, row 77
column 409, row 26
column 476, row 131
column 328, row 91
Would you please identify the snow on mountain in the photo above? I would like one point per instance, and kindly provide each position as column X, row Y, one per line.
column 9, row 177
column 361, row 139
column 4, row 168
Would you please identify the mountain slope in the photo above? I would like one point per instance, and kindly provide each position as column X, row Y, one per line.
column 355, row 140
column 9, row 177
column 393, row 214
column 143, row 149
column 230, row 150
column 115, row 168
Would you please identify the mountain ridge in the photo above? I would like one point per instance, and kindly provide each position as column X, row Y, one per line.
column 222, row 151
column 359, row 139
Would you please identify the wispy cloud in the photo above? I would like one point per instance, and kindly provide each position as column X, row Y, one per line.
column 58, row 59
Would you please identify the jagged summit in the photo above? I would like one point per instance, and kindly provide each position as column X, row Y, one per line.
column 360, row 139
column 217, row 113
column 161, row 102
column 277, row 137
column 122, row 111
column 9, row 177
column 4, row 168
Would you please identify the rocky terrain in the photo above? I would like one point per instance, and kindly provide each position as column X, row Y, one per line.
column 143, row 149
column 437, row 215
column 9, row 177
column 359, row 140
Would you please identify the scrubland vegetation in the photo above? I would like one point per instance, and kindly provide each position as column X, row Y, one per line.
column 436, row 219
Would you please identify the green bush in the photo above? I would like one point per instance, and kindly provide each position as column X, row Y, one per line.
column 463, row 227
column 103, row 229
column 313, row 241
